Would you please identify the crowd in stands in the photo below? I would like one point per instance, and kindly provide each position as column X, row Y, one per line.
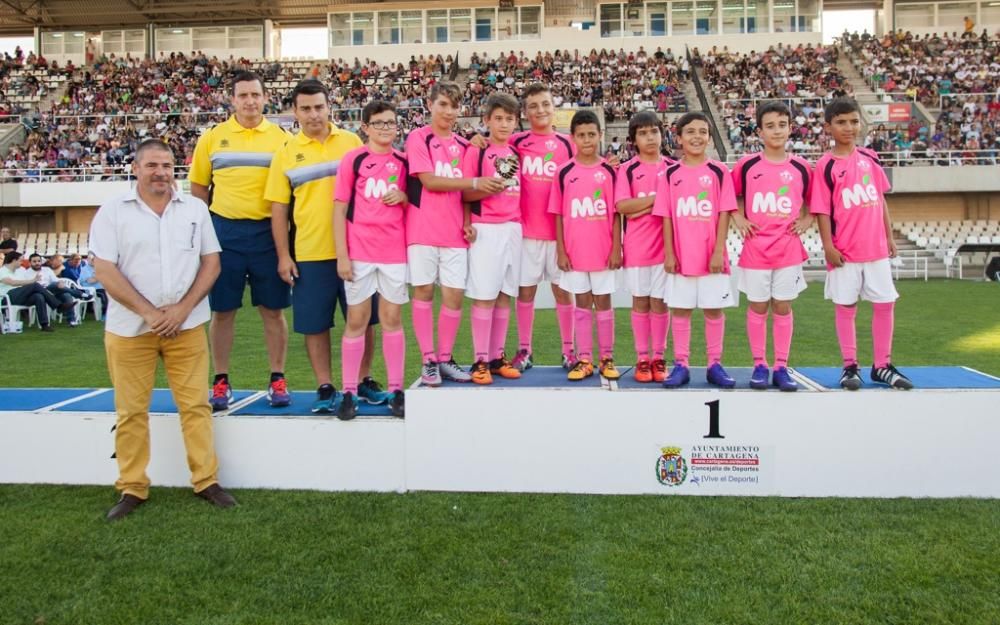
column 959, row 74
column 622, row 82
column 806, row 77
column 19, row 78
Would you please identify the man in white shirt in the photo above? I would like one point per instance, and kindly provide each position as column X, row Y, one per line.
column 157, row 256
column 61, row 289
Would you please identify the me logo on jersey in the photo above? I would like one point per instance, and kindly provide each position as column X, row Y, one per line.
column 588, row 207
column 697, row 206
column 860, row 194
column 447, row 170
column 375, row 188
column 539, row 166
column 772, row 203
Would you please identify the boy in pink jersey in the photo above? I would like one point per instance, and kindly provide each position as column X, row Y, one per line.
column 493, row 229
column 695, row 198
column 369, row 200
column 643, row 244
column 773, row 184
column 588, row 244
column 436, row 247
column 848, row 198
column 543, row 151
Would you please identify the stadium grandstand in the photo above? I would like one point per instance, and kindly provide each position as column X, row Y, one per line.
column 100, row 81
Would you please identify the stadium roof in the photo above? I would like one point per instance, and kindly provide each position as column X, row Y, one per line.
column 21, row 16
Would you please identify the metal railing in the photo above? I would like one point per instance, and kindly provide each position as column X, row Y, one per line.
column 905, row 158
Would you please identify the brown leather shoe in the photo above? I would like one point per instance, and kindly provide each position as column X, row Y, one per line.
column 217, row 496
column 124, row 507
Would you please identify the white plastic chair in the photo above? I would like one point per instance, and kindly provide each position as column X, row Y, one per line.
column 9, row 311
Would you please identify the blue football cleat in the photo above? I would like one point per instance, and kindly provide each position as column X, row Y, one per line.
column 759, row 377
column 717, row 375
column 326, row 396
column 679, row 376
column 783, row 380
column 370, row 391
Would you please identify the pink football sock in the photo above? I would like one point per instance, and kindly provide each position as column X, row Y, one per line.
column 883, row 317
column 423, row 328
column 394, row 352
column 640, row 331
column 448, row 322
column 783, row 326
column 846, row 333
column 498, row 331
column 606, row 332
column 682, row 339
column 583, row 327
column 525, row 324
column 564, row 313
column 658, row 325
column 715, row 334
column 482, row 322
column 757, row 334
column 352, row 349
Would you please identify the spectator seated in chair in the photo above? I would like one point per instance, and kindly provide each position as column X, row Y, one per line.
column 26, row 291
column 65, row 291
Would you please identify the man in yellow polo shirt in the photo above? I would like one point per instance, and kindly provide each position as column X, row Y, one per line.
column 229, row 172
column 300, row 186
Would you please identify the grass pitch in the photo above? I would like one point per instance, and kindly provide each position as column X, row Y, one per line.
column 308, row 557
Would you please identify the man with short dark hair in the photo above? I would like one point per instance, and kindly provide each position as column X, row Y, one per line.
column 303, row 173
column 157, row 314
column 229, row 172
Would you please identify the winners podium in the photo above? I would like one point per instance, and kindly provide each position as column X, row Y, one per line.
column 544, row 434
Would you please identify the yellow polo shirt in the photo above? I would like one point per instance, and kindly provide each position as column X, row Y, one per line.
column 303, row 174
column 234, row 161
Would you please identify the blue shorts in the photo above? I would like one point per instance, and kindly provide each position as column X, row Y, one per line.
column 317, row 292
column 248, row 255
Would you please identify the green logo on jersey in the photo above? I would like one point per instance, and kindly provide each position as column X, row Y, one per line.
column 547, row 158
column 597, row 194
column 393, row 178
column 782, row 190
column 703, row 195
column 454, row 162
column 866, row 178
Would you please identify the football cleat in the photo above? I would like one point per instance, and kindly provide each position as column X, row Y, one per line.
column 370, row 391
column 481, row 373
column 582, row 369
column 891, row 376
column 608, row 370
column 643, row 371
column 760, row 377
column 568, row 360
column 850, row 379
column 659, row 370
column 396, row 404
column 348, row 408
column 453, row 372
column 783, row 380
column 430, row 374
column 717, row 375
column 502, row 367
column 522, row 361
column 679, row 376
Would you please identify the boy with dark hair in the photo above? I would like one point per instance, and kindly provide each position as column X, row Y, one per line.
column 588, row 244
column 542, row 151
column 773, row 184
column 493, row 229
column 695, row 198
column 643, row 244
column 369, row 201
column 437, row 249
column 848, row 198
